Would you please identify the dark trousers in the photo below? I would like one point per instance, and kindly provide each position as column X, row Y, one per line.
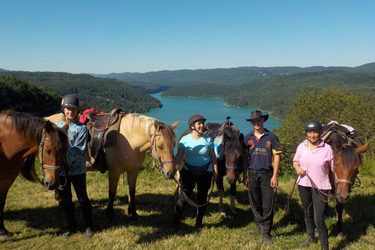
column 188, row 182
column 79, row 184
column 262, row 196
column 314, row 204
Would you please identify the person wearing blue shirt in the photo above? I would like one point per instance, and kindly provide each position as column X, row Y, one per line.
column 198, row 169
column 261, row 175
column 74, row 171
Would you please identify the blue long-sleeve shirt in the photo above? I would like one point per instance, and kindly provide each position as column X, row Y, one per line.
column 76, row 155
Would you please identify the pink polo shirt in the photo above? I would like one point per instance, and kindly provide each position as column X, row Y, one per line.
column 316, row 163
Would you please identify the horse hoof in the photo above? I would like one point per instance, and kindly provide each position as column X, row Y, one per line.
column 340, row 235
column 224, row 214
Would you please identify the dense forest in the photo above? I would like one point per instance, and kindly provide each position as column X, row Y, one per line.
column 102, row 93
column 238, row 75
column 277, row 93
column 19, row 95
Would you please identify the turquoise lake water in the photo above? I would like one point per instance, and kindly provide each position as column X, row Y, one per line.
column 180, row 109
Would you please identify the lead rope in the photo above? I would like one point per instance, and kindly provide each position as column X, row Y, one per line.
column 251, row 200
column 192, row 202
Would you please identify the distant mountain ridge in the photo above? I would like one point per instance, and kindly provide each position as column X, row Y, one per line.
column 222, row 76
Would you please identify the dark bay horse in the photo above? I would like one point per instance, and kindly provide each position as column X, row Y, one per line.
column 22, row 138
column 347, row 151
column 231, row 162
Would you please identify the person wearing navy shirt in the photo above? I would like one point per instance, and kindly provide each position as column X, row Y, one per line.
column 261, row 175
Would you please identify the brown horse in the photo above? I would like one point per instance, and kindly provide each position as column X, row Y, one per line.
column 347, row 160
column 22, row 137
column 137, row 134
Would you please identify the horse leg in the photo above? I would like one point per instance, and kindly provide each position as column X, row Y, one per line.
column 339, row 211
column 220, row 188
column 233, row 198
column 132, row 179
column 113, row 182
column 4, row 234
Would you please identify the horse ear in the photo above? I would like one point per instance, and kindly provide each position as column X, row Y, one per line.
column 48, row 126
column 338, row 146
column 174, row 125
column 66, row 126
column 362, row 149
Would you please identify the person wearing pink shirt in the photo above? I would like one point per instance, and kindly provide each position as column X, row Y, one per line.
column 312, row 162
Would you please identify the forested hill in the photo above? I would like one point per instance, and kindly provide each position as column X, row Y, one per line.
column 277, row 93
column 19, row 95
column 222, row 76
column 102, row 93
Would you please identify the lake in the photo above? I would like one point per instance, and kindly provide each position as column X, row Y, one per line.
column 180, row 109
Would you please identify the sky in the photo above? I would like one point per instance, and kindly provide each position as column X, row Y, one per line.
column 107, row 36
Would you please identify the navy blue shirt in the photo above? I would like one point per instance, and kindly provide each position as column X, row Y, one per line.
column 262, row 149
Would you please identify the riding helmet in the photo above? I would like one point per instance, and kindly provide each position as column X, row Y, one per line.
column 313, row 125
column 70, row 101
column 194, row 118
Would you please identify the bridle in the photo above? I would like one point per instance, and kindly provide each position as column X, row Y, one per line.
column 155, row 154
column 40, row 153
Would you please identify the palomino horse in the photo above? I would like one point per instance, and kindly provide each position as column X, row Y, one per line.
column 137, row 134
column 231, row 162
column 22, row 137
column 347, row 161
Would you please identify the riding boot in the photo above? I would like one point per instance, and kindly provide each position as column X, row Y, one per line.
column 266, row 232
column 323, row 237
column 310, row 227
column 257, row 230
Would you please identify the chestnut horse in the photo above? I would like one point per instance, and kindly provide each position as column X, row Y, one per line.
column 22, row 137
column 346, row 151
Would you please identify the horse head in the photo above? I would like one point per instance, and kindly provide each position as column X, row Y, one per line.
column 52, row 149
column 347, row 161
column 233, row 153
column 162, row 146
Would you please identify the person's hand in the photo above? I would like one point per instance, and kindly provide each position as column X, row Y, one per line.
column 300, row 171
column 274, row 182
column 246, row 181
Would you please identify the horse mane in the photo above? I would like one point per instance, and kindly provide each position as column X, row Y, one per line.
column 153, row 125
column 31, row 127
column 231, row 139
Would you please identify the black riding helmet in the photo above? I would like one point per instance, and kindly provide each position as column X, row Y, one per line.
column 313, row 125
column 194, row 118
column 70, row 101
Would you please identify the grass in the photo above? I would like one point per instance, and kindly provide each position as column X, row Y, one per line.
column 36, row 221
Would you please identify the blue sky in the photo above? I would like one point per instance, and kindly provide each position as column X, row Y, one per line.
column 108, row 36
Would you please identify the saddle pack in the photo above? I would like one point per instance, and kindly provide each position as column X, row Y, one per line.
column 103, row 129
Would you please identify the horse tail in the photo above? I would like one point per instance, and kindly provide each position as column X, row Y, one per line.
column 28, row 169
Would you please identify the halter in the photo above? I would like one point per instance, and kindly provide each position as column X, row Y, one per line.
column 154, row 152
column 40, row 153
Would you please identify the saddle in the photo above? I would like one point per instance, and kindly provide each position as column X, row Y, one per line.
column 342, row 131
column 103, row 130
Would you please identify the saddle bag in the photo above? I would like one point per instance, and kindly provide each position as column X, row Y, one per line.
column 198, row 171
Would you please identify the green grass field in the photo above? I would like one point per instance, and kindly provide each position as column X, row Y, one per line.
column 36, row 221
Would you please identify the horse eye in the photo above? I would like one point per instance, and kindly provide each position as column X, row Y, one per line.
column 47, row 151
column 161, row 148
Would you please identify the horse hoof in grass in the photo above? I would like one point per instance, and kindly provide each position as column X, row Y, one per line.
column 4, row 236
